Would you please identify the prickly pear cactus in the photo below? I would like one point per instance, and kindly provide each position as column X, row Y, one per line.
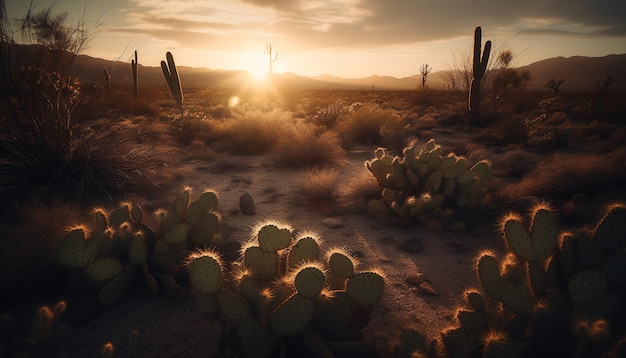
column 281, row 287
column 549, row 289
column 108, row 254
column 426, row 186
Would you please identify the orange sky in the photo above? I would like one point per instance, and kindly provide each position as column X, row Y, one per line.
column 346, row 38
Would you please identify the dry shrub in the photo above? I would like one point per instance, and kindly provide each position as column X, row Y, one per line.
column 363, row 185
column 303, row 146
column 254, row 132
column 319, row 187
column 371, row 125
column 563, row 175
column 516, row 163
column 504, row 131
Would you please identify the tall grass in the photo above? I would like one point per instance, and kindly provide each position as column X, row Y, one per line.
column 563, row 175
column 304, row 146
column 369, row 124
column 48, row 152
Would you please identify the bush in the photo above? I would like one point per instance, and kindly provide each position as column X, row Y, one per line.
column 254, row 132
column 369, row 124
column 564, row 175
column 48, row 152
column 303, row 146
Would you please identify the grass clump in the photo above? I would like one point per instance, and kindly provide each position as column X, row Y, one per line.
column 368, row 124
column 305, row 145
column 563, row 175
column 47, row 150
column 253, row 132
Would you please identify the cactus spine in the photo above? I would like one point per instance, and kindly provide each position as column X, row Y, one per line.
column 479, row 67
column 171, row 77
column 134, row 66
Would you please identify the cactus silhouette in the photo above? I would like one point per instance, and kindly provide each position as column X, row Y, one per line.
column 268, row 52
column 479, row 67
column 171, row 77
column 135, row 65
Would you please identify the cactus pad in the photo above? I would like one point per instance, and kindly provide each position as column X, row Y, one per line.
column 271, row 238
column 177, row 234
column 341, row 264
column 292, row 315
column 610, row 234
column 304, row 250
column 205, row 273
column 74, row 251
column 104, row 269
column 262, row 264
column 232, row 305
column 366, row 288
column 309, row 281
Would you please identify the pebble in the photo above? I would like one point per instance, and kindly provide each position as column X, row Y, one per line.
column 426, row 289
column 388, row 240
column 246, row 204
column 413, row 245
column 333, row 223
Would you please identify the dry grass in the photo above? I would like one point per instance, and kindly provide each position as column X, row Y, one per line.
column 304, row 146
column 319, row 188
column 371, row 125
column 253, row 132
column 363, row 185
column 563, row 175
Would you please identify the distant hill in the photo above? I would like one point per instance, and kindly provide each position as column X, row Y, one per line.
column 579, row 72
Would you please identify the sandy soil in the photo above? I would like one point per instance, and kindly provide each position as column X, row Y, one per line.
column 169, row 328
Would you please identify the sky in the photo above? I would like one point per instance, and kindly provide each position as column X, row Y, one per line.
column 345, row 38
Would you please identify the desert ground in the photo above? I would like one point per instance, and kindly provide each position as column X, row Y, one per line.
column 426, row 272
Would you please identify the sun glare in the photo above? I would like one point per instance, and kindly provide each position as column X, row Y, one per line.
column 258, row 74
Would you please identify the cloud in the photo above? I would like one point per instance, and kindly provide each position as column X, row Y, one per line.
column 352, row 24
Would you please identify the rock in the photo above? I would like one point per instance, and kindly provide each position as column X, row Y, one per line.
column 333, row 223
column 456, row 246
column 415, row 280
column 388, row 240
column 412, row 244
column 426, row 289
column 246, row 204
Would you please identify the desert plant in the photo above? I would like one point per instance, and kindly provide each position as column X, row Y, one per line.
column 134, row 65
column 478, row 72
column 561, row 284
column 48, row 151
column 105, row 256
column 424, row 72
column 42, row 340
column 173, row 82
column 554, row 85
column 268, row 52
column 284, row 289
column 563, row 175
column 369, row 124
column 303, row 146
column 424, row 186
column 253, row 132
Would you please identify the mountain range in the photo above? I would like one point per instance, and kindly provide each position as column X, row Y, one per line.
column 579, row 72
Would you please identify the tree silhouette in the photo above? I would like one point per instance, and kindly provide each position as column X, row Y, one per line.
column 424, row 71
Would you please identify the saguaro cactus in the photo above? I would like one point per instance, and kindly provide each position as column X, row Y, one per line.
column 268, row 52
column 107, row 78
column 479, row 67
column 134, row 65
column 171, row 77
